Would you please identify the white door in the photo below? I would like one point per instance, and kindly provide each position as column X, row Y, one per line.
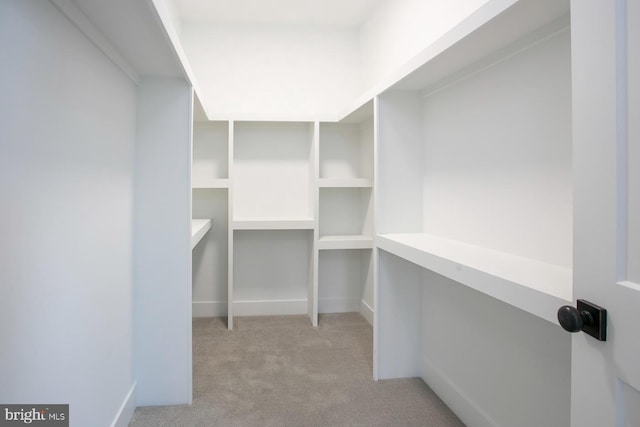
column 606, row 89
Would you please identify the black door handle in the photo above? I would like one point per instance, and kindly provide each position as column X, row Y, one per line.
column 587, row 317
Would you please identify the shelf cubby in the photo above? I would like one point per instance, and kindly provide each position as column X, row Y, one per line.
column 273, row 170
column 210, row 256
column 346, row 154
column 271, row 272
column 210, row 167
column 345, row 214
column 345, row 281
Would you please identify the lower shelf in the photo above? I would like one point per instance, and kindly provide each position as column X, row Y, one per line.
column 345, row 242
column 533, row 286
column 273, row 223
column 199, row 228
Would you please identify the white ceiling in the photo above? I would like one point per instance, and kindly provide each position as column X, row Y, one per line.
column 343, row 13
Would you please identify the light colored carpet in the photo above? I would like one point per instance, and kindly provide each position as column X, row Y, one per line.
column 280, row 371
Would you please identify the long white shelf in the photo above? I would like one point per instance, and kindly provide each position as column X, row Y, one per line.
column 199, row 227
column 265, row 223
column 212, row 183
column 345, row 182
column 493, row 26
column 345, row 242
column 533, row 286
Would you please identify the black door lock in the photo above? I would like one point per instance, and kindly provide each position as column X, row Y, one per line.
column 587, row 317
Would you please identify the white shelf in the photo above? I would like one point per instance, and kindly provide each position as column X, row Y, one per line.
column 199, row 227
column 345, row 242
column 481, row 36
column 281, row 223
column 533, row 286
column 345, row 183
column 210, row 164
column 213, row 183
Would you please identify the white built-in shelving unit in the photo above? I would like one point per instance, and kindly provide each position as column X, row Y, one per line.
column 287, row 190
column 345, row 212
column 474, row 168
column 464, row 156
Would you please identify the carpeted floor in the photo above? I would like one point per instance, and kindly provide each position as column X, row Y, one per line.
column 280, row 371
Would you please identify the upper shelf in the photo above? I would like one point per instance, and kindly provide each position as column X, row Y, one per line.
column 199, row 228
column 494, row 26
column 533, row 286
column 487, row 31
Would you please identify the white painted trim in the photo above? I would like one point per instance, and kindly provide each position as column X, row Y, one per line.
column 366, row 311
column 128, row 407
column 338, row 305
column 269, row 308
column 86, row 27
column 466, row 409
column 209, row 308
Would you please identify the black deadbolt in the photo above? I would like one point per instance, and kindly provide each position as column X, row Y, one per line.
column 586, row 317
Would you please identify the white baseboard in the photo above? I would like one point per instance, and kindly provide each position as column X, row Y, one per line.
column 460, row 403
column 128, row 407
column 366, row 311
column 209, row 308
column 338, row 305
column 283, row 307
column 269, row 308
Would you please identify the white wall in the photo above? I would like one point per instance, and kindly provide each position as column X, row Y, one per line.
column 67, row 135
column 499, row 175
column 262, row 71
column 162, row 242
column 397, row 30
column 492, row 363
